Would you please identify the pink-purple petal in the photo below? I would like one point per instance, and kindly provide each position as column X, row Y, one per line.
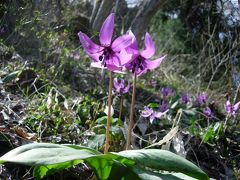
column 115, row 61
column 134, row 44
column 152, row 64
column 106, row 32
column 139, row 73
column 124, row 57
column 98, row 65
column 121, row 42
column 147, row 112
column 115, row 82
column 149, row 47
column 112, row 67
column 236, row 106
column 152, row 118
column 87, row 43
column 94, row 57
column 126, row 89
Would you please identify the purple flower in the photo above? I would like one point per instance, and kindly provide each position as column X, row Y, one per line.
column 164, row 106
column 153, row 83
column 140, row 62
column 149, row 112
column 110, row 55
column 119, row 86
column 167, row 91
column 208, row 112
column 185, row 98
column 2, row 30
column 231, row 109
column 201, row 99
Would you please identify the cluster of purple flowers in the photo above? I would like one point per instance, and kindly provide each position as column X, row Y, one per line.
column 122, row 53
column 201, row 101
column 230, row 109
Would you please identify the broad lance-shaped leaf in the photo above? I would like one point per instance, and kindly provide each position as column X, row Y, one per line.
column 57, row 157
column 144, row 174
column 40, row 172
column 45, row 154
column 163, row 160
column 50, row 158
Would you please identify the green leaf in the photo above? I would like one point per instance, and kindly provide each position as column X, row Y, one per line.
column 101, row 166
column 107, row 166
column 11, row 76
column 50, row 158
column 103, row 120
column 119, row 171
column 174, row 105
column 216, row 126
column 153, row 105
column 96, row 142
column 208, row 135
column 82, row 147
column 144, row 174
column 1, row 162
column 181, row 176
column 45, row 154
column 191, row 112
column 40, row 172
column 163, row 160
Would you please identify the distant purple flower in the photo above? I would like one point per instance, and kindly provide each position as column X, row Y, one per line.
column 119, row 86
column 2, row 30
column 153, row 82
column 149, row 112
column 231, row 109
column 201, row 99
column 110, row 55
column 167, row 91
column 208, row 112
column 140, row 62
column 185, row 98
column 164, row 106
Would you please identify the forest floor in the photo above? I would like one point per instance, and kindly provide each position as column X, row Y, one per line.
column 36, row 106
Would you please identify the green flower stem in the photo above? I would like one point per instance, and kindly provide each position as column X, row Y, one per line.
column 130, row 125
column 106, row 146
column 120, row 108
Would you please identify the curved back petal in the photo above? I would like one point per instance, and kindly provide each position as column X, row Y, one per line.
column 106, row 31
column 149, row 47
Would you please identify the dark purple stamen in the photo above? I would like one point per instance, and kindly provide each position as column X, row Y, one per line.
column 107, row 53
column 138, row 64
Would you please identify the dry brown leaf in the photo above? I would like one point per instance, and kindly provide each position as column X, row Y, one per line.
column 22, row 133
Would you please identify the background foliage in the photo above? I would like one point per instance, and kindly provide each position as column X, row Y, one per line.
column 49, row 93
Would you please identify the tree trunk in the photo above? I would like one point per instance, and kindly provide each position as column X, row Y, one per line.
column 144, row 15
column 96, row 6
column 102, row 9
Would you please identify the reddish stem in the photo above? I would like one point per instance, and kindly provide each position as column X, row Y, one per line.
column 106, row 146
column 130, row 125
